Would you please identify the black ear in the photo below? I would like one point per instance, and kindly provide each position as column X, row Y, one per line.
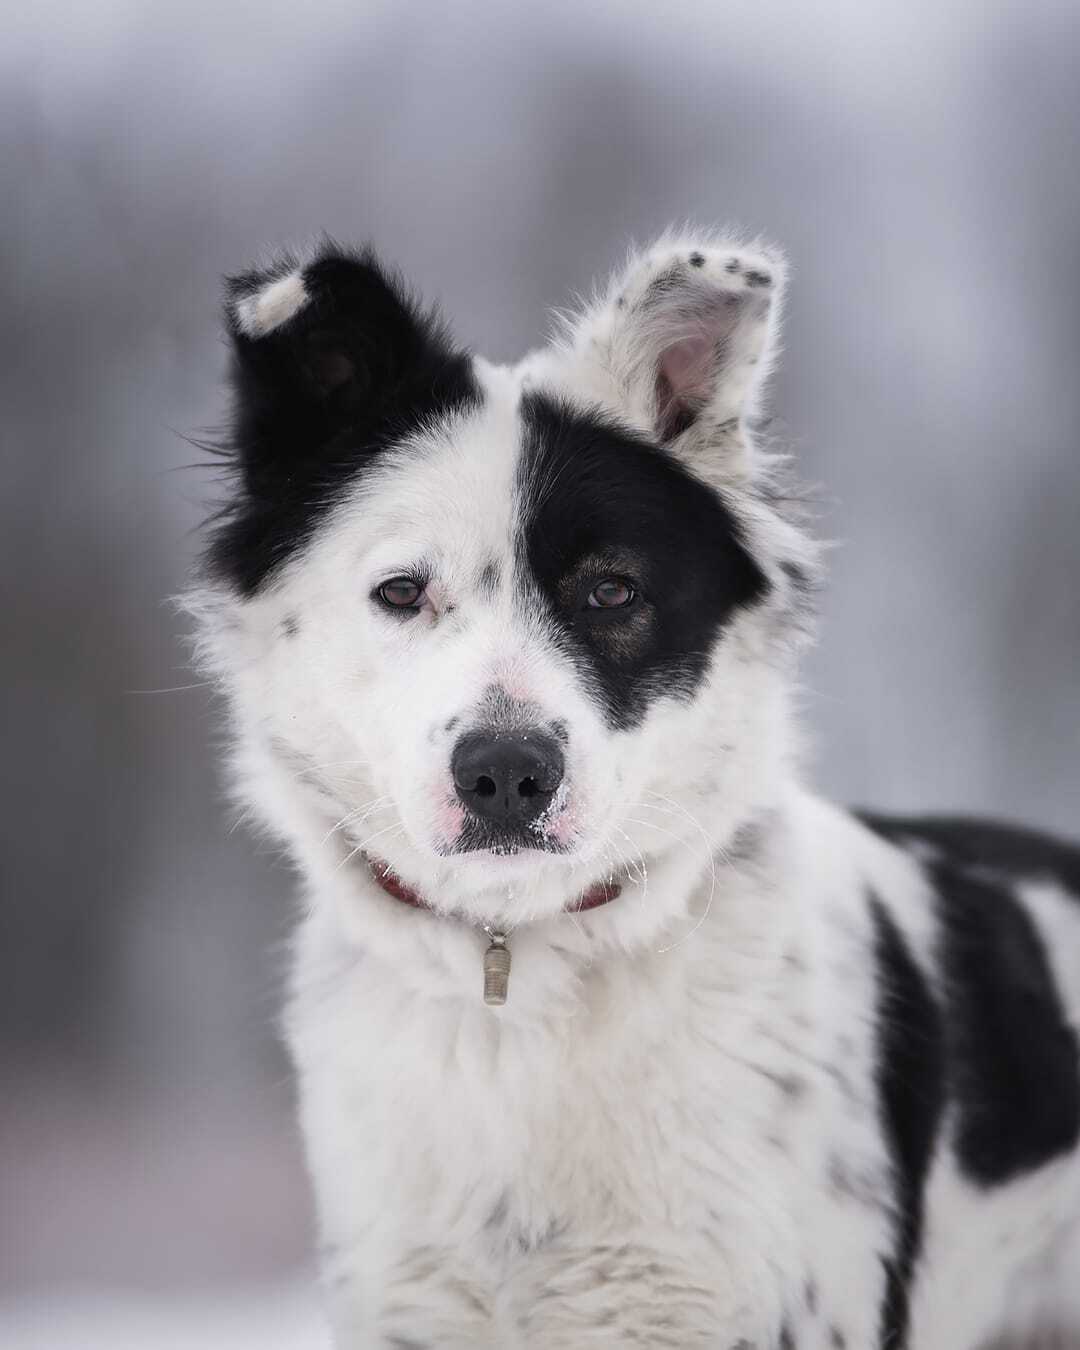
column 333, row 362
column 334, row 348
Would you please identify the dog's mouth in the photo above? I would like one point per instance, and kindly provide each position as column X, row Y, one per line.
column 480, row 837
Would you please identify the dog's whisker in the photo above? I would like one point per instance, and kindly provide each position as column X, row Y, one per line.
column 357, row 816
column 364, row 843
column 711, row 850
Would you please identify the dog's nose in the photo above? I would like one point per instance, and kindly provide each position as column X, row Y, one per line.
column 508, row 778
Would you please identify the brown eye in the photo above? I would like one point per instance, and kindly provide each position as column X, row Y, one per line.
column 612, row 593
column 400, row 593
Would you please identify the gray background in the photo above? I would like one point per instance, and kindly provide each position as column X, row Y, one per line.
column 918, row 161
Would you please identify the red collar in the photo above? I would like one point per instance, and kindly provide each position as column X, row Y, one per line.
column 392, row 884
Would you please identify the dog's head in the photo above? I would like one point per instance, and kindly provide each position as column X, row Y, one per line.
column 509, row 630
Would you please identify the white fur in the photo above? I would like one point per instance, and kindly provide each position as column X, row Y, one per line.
column 669, row 1133
column 275, row 304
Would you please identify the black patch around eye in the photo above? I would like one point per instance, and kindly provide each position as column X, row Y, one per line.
column 611, row 595
column 592, row 490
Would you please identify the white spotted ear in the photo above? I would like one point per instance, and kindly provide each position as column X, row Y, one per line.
column 688, row 332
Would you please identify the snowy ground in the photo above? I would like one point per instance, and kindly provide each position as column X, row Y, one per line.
column 273, row 1318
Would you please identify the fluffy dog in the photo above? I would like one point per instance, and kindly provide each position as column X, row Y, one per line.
column 608, row 1032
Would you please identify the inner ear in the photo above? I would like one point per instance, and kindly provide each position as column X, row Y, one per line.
column 685, row 374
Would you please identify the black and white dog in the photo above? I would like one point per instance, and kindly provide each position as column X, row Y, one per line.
column 608, row 1032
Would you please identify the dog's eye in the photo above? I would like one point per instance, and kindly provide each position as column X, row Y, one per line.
column 401, row 593
column 611, row 593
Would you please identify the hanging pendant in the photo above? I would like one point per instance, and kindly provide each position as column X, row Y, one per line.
column 496, row 969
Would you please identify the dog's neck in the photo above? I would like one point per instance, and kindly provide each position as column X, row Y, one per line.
column 496, row 964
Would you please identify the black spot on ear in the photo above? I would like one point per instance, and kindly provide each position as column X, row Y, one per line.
column 697, row 259
column 732, row 265
column 758, row 279
column 911, row 1100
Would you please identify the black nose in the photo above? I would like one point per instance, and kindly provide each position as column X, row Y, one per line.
column 508, row 778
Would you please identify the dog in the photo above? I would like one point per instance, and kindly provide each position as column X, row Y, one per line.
column 607, row 1030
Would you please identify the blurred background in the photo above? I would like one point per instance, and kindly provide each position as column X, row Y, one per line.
column 918, row 160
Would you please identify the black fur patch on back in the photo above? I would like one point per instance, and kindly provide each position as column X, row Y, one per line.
column 1014, row 1060
column 599, row 501
column 357, row 368
column 1013, row 850
column 911, row 1098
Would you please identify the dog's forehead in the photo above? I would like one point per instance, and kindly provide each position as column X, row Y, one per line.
column 450, row 488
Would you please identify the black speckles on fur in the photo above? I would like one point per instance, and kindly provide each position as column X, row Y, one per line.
column 290, row 626
column 837, row 1339
column 500, row 1212
column 529, row 1242
column 787, row 1340
column 911, row 1098
column 488, row 580
column 732, row 265
column 697, row 259
column 801, row 581
column 810, row 1296
column 749, row 841
column 863, row 1187
column 757, row 279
